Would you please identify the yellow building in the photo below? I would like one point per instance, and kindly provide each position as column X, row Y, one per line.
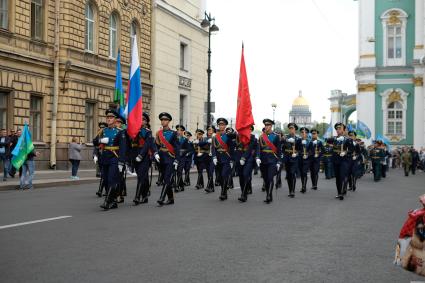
column 61, row 55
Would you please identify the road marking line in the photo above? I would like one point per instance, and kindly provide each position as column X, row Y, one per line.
column 33, row 222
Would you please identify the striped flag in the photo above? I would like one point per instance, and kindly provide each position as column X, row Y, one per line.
column 134, row 105
column 22, row 148
column 119, row 93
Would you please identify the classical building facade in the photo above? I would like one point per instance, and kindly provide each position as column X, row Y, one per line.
column 180, row 48
column 57, row 68
column 300, row 112
column 390, row 98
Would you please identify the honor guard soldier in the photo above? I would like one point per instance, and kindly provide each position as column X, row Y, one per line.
column 143, row 160
column 97, row 153
column 188, row 159
column 184, row 149
column 327, row 158
column 120, row 123
column 268, row 157
column 315, row 158
column 113, row 158
column 231, row 132
column 222, row 150
column 246, row 162
column 356, row 162
column 343, row 147
column 279, row 172
column 206, row 144
column 291, row 148
column 306, row 151
column 200, row 157
column 168, row 156
column 377, row 155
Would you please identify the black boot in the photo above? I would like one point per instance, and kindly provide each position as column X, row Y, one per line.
column 249, row 188
column 110, row 199
column 243, row 197
column 314, row 179
column 201, row 183
column 187, row 179
column 138, row 193
column 269, row 193
column 210, row 185
column 162, row 196
column 198, row 182
column 303, row 184
column 350, row 183
column 263, row 188
column 99, row 191
column 170, row 196
column 354, row 184
column 289, row 181
column 293, row 184
column 223, row 194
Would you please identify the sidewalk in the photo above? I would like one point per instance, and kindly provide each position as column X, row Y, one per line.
column 54, row 178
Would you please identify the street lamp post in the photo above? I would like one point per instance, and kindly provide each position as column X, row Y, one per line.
column 206, row 23
column 274, row 106
column 323, row 125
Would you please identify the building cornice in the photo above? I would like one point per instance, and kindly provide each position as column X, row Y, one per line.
column 179, row 15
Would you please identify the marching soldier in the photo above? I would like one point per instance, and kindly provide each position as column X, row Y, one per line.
column 206, row 144
column 343, row 147
column 222, row 150
column 327, row 158
column 188, row 159
column 168, row 156
column 120, row 123
column 305, row 153
column 377, row 154
column 268, row 157
column 200, row 157
column 279, row 172
column 97, row 153
column 315, row 159
column 356, row 162
column 246, row 162
column 143, row 160
column 233, row 164
column 184, row 149
column 291, row 148
column 113, row 158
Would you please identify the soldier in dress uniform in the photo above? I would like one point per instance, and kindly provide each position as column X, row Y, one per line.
column 315, row 158
column 356, row 162
column 113, row 157
column 306, row 151
column 246, row 162
column 343, row 148
column 327, row 158
column 199, row 157
column 143, row 160
column 234, row 165
column 222, row 151
column 269, row 157
column 97, row 153
column 206, row 145
column 188, row 159
column 168, row 156
column 120, row 123
column 184, row 149
column 291, row 147
column 279, row 172
column 377, row 155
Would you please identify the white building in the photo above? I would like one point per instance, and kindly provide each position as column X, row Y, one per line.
column 179, row 59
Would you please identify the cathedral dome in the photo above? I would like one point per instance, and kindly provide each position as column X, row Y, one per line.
column 300, row 101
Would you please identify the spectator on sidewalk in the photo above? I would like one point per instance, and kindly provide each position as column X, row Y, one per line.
column 4, row 152
column 406, row 159
column 74, row 153
column 415, row 160
column 28, row 168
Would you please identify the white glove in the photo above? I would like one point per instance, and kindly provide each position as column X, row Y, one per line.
column 278, row 166
column 315, row 142
column 138, row 158
column 209, row 140
column 342, row 154
column 294, row 155
column 95, row 159
column 354, row 157
column 291, row 140
column 120, row 167
column 341, row 138
column 157, row 157
column 354, row 143
column 242, row 162
column 304, row 142
column 104, row 140
column 231, row 164
column 176, row 164
column 195, row 141
column 305, row 156
column 258, row 160
column 215, row 161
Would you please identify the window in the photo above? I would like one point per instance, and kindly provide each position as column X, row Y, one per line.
column 3, row 109
column 90, row 121
column 37, row 19
column 113, row 30
column 183, row 109
column 394, row 107
column 89, row 45
column 133, row 33
column 394, row 38
column 182, row 56
column 4, row 12
column 395, row 118
column 35, row 117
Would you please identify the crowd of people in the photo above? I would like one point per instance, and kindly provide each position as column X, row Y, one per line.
column 224, row 153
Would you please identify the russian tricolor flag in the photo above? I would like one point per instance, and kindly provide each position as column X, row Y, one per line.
column 134, row 95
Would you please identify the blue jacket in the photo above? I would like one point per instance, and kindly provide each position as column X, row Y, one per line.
column 167, row 157
column 265, row 153
column 223, row 155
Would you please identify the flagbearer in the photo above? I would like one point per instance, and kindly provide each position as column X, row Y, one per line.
column 315, row 158
column 145, row 149
column 167, row 156
column 113, row 158
column 268, row 157
column 222, row 150
column 247, row 161
column 291, row 147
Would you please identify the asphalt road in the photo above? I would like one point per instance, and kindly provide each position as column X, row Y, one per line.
column 312, row 238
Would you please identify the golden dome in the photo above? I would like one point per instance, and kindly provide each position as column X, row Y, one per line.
column 300, row 101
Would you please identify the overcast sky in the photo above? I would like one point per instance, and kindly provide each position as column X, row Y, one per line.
column 290, row 45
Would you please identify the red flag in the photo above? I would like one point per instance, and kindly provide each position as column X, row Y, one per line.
column 244, row 118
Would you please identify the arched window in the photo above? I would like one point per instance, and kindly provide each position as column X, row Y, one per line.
column 394, row 107
column 133, row 33
column 395, row 118
column 394, row 23
column 113, row 35
column 89, row 36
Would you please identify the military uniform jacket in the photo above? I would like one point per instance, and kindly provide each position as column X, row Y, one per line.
column 346, row 146
column 266, row 153
column 317, row 149
column 328, row 150
column 166, row 155
column 145, row 144
column 202, row 150
column 223, row 152
column 249, row 151
column 306, row 150
column 377, row 154
column 290, row 148
column 116, row 149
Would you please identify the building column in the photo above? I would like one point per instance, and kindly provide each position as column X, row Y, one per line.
column 365, row 106
column 418, row 120
column 367, row 33
column 336, row 115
